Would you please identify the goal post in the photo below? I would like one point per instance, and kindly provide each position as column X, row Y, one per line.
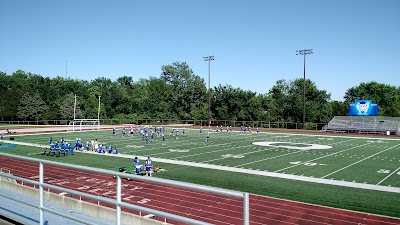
column 84, row 124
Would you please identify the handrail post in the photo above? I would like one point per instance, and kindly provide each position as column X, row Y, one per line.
column 246, row 209
column 118, row 206
column 41, row 194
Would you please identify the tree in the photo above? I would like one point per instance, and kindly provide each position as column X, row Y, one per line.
column 286, row 102
column 339, row 108
column 67, row 108
column 188, row 90
column 31, row 107
column 387, row 97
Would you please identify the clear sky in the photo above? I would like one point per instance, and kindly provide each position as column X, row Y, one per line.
column 254, row 41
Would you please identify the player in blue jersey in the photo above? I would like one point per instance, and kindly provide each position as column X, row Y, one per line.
column 56, row 147
column 201, row 130
column 148, row 166
column 113, row 131
column 136, row 161
column 136, row 164
column 158, row 130
column 142, row 137
column 147, row 138
column 87, row 146
column 152, row 136
column 100, row 148
column 163, row 139
column 52, row 148
column 69, row 149
column 123, row 132
column 50, row 140
column 76, row 144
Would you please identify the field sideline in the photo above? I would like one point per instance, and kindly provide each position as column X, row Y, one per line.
column 357, row 168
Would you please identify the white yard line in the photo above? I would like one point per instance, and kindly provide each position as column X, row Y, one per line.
column 388, row 176
column 360, row 161
column 261, row 160
column 321, row 157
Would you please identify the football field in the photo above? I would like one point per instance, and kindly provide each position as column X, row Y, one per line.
column 305, row 167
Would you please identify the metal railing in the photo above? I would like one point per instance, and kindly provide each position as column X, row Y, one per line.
column 233, row 123
column 117, row 202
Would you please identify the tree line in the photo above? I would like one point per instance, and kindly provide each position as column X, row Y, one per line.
column 178, row 93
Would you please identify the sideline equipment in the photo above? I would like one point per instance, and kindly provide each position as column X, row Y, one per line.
column 83, row 124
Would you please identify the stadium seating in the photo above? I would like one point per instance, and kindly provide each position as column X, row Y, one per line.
column 363, row 124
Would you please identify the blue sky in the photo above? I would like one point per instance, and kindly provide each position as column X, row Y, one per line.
column 254, row 42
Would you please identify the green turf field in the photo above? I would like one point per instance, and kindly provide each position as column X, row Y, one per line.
column 332, row 170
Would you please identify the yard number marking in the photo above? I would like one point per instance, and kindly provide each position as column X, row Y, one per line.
column 178, row 150
column 307, row 163
column 290, row 145
column 135, row 146
column 329, row 139
column 232, row 156
column 386, row 171
column 383, row 171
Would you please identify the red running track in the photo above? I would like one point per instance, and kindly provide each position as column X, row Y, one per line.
column 196, row 205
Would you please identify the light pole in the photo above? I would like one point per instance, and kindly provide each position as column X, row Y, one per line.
column 209, row 59
column 304, row 52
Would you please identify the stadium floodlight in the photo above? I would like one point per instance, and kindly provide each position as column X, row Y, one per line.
column 304, row 52
column 209, row 59
column 98, row 112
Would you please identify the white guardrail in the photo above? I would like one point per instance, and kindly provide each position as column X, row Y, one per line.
column 117, row 201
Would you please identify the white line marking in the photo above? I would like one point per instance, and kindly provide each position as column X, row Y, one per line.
column 322, row 157
column 360, row 161
column 388, row 176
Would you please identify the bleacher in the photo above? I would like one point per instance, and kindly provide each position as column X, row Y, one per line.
column 364, row 124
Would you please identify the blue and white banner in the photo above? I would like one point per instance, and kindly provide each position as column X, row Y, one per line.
column 8, row 146
column 363, row 108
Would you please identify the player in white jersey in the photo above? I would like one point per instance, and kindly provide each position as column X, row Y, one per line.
column 148, row 166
